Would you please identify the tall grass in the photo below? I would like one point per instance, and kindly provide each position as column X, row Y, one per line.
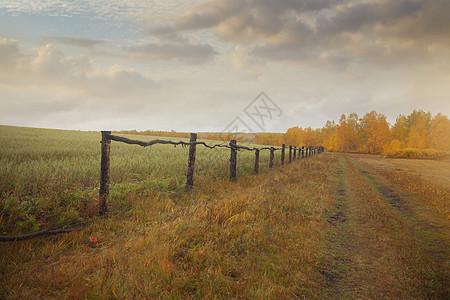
column 257, row 238
column 52, row 176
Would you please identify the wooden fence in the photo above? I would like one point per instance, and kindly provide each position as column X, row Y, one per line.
column 107, row 137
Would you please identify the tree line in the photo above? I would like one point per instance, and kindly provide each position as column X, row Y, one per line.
column 370, row 133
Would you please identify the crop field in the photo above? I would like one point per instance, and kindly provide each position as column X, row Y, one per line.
column 331, row 226
column 51, row 177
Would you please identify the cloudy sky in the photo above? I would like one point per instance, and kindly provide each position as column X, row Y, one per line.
column 196, row 65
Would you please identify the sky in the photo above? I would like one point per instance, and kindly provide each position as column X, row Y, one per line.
column 196, row 66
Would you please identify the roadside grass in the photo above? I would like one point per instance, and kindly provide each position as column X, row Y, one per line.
column 259, row 237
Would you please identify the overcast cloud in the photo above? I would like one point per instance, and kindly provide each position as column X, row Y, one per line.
column 195, row 65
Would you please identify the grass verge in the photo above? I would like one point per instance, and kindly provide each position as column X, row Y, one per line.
column 260, row 237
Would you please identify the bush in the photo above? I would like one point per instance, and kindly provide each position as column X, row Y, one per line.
column 418, row 154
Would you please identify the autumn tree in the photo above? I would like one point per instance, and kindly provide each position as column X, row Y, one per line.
column 376, row 129
column 294, row 136
column 399, row 133
column 440, row 133
column 343, row 134
column 329, row 136
column 308, row 138
column 419, row 135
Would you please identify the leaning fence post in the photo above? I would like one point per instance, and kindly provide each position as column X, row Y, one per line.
column 306, row 152
column 191, row 161
column 272, row 150
column 104, row 173
column 295, row 153
column 233, row 159
column 256, row 169
column 282, row 154
column 290, row 154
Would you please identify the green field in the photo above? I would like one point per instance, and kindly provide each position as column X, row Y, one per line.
column 50, row 178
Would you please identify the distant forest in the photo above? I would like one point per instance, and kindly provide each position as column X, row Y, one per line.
column 368, row 134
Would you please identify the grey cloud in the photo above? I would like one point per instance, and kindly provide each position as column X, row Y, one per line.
column 432, row 24
column 250, row 21
column 50, row 67
column 164, row 32
column 184, row 52
column 209, row 14
column 212, row 13
column 328, row 32
column 78, row 42
column 9, row 53
column 296, row 5
column 355, row 17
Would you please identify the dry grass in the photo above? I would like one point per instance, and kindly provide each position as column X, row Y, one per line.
column 261, row 237
column 426, row 183
column 257, row 238
column 412, row 227
column 418, row 154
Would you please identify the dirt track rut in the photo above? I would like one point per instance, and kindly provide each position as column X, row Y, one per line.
column 374, row 249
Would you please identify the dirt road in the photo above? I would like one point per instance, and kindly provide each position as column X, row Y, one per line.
column 390, row 231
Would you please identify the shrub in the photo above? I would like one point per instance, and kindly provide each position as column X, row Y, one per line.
column 418, row 154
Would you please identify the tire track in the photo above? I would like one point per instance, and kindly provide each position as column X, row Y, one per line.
column 369, row 247
column 434, row 243
column 339, row 262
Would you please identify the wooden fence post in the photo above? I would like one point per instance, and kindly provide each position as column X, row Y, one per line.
column 233, row 159
column 104, row 173
column 295, row 153
column 256, row 169
column 282, row 154
column 290, row 154
column 271, row 157
column 306, row 152
column 303, row 152
column 191, row 161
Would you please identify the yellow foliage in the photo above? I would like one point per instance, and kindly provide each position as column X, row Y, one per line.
column 440, row 132
column 418, row 154
column 373, row 134
column 395, row 145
